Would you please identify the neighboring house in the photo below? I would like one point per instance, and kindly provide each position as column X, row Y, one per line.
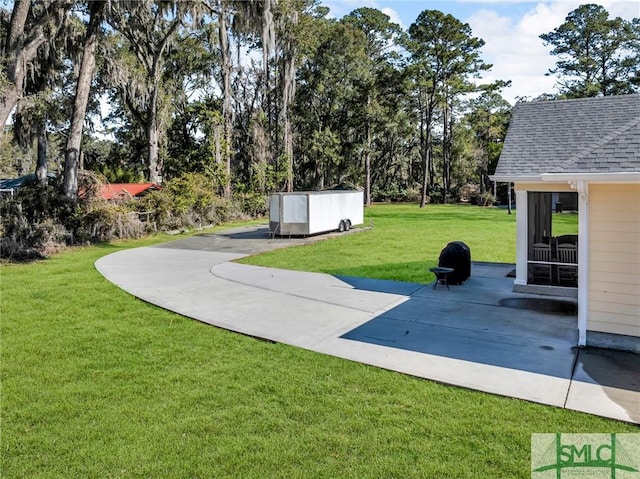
column 127, row 190
column 591, row 147
column 11, row 185
column 108, row 192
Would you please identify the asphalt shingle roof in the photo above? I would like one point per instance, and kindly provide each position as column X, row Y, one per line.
column 585, row 135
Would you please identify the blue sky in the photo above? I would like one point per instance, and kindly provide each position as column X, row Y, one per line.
column 510, row 29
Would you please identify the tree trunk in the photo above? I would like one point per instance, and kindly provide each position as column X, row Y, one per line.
column 217, row 138
column 14, row 52
column 485, row 182
column 83, row 89
column 226, row 91
column 288, row 95
column 427, row 165
column 41, row 167
column 8, row 101
column 153, row 149
column 268, row 42
column 446, row 149
column 367, row 189
column 367, row 160
column 18, row 21
column 426, row 119
column 268, row 47
column 153, row 136
column 260, row 142
column 153, row 120
column 150, row 51
column 288, row 150
column 423, row 156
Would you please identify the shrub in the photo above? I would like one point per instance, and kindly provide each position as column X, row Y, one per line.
column 107, row 221
column 33, row 222
column 255, row 205
column 483, row 199
column 39, row 219
column 22, row 240
column 187, row 201
column 469, row 193
column 390, row 194
column 157, row 209
column 436, row 194
column 191, row 192
column 486, row 199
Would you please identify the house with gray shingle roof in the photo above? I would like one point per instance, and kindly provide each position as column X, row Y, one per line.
column 588, row 147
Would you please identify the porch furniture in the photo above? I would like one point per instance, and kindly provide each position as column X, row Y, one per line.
column 567, row 239
column 441, row 275
column 567, row 267
column 542, row 273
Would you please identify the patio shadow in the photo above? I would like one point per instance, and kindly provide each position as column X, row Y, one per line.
column 470, row 322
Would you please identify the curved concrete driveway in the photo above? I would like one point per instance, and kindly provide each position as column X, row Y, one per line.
column 196, row 277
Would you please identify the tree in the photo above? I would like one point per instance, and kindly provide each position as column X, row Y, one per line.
column 329, row 114
column 596, row 55
column 444, row 56
column 227, row 110
column 137, row 66
column 379, row 33
column 44, row 104
column 395, row 145
column 487, row 119
column 81, row 99
column 255, row 143
column 288, row 20
column 31, row 26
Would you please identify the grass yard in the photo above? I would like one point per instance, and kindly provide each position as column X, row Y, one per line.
column 406, row 240
column 97, row 384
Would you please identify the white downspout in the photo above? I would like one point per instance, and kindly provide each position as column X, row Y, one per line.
column 522, row 235
column 583, row 260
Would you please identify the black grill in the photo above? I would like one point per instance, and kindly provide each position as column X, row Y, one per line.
column 456, row 255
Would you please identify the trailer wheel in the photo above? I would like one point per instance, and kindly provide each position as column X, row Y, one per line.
column 342, row 227
column 348, row 224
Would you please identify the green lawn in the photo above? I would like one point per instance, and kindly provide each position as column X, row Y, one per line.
column 97, row 384
column 406, row 240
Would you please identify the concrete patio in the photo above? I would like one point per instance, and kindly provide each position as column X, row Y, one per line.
column 465, row 336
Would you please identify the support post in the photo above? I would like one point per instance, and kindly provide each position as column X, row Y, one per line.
column 583, row 261
column 522, row 235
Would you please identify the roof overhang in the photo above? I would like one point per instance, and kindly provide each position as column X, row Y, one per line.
column 515, row 179
column 619, row 177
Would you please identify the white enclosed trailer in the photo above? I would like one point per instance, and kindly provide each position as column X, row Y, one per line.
column 313, row 212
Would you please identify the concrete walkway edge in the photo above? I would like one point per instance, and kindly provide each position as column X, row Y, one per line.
column 314, row 311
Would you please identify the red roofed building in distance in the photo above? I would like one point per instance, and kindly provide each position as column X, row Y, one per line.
column 127, row 190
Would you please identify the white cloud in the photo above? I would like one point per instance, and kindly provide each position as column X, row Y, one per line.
column 516, row 52
column 488, row 2
column 340, row 8
column 514, row 47
column 512, row 35
column 393, row 16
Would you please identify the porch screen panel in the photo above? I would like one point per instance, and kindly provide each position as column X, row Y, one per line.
column 539, row 217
